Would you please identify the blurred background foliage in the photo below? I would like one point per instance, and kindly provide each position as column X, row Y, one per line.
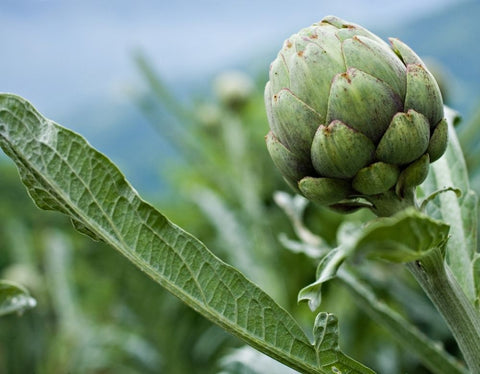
column 96, row 313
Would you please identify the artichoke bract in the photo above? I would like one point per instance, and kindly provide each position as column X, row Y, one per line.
column 354, row 121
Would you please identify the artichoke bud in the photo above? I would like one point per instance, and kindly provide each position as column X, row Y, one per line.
column 234, row 88
column 351, row 116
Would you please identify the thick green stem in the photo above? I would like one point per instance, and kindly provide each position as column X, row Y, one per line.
column 461, row 316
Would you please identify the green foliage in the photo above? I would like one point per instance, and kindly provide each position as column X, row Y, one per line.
column 224, row 183
column 63, row 173
column 222, row 176
column 84, row 321
column 325, row 333
column 407, row 236
column 14, row 298
column 411, row 337
column 414, row 238
column 459, row 213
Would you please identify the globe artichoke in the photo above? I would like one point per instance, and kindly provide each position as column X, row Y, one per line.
column 354, row 122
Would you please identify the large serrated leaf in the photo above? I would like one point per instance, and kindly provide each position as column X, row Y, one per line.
column 63, row 172
column 459, row 213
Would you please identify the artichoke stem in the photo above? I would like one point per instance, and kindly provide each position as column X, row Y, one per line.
column 436, row 279
column 388, row 203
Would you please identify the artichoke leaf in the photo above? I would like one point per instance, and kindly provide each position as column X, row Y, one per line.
column 349, row 29
column 412, row 176
column 311, row 71
column 339, row 151
column 295, row 122
column 326, row 270
column 405, row 140
column 403, row 51
column 279, row 77
column 363, row 102
column 376, row 59
column 292, row 167
column 404, row 237
column 324, row 191
column 376, row 178
column 438, row 141
column 423, row 94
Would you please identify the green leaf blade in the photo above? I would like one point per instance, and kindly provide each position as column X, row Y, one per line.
column 403, row 237
column 330, row 357
column 63, row 172
column 459, row 213
column 327, row 270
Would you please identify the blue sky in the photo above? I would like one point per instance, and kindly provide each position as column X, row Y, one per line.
column 60, row 52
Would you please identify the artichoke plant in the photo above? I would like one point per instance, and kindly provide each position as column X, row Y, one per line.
column 354, row 121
